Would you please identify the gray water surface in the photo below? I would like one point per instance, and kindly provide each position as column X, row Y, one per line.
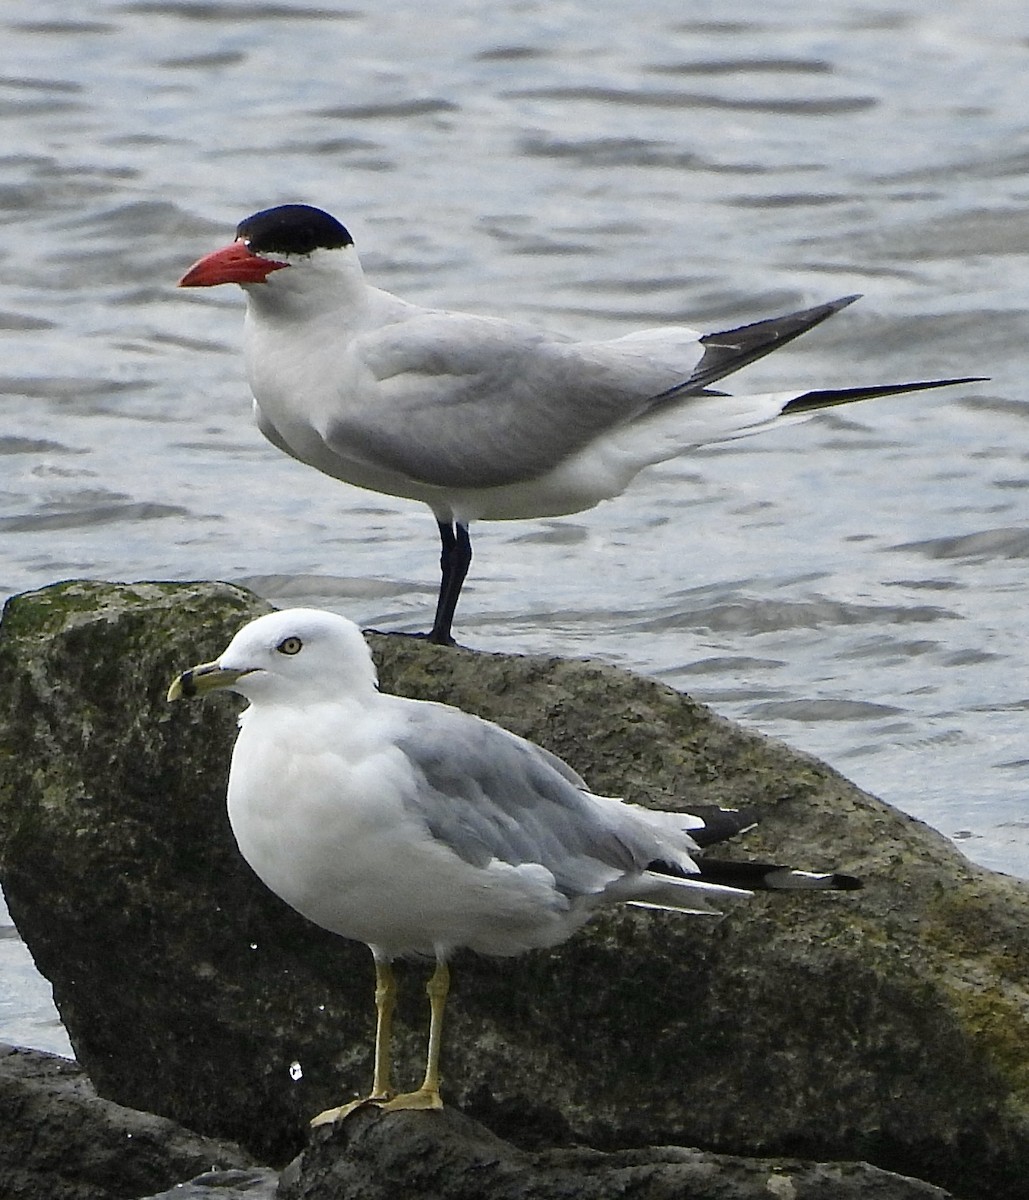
column 853, row 584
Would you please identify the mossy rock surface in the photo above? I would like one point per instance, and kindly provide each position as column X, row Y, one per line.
column 890, row 1025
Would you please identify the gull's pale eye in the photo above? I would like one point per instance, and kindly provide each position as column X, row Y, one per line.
column 290, row 645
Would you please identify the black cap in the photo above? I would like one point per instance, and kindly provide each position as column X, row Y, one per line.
column 292, row 229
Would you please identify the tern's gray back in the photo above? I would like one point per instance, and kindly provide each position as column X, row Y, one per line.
column 455, row 401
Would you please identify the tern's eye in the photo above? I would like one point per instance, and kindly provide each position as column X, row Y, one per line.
column 290, row 645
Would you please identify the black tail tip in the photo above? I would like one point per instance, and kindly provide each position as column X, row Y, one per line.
column 847, row 883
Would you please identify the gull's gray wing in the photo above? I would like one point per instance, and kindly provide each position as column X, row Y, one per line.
column 488, row 794
column 458, row 401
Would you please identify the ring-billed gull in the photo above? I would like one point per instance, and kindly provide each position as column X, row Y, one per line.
column 419, row 829
column 479, row 418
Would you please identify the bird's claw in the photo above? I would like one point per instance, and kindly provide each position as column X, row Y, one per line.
column 423, row 1099
column 430, row 636
column 331, row 1115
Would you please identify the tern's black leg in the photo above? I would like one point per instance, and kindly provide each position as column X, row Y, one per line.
column 454, row 559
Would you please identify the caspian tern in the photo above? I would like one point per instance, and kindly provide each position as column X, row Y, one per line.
column 478, row 417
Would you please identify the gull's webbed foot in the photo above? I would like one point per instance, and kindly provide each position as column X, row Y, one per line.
column 425, row 1098
column 331, row 1115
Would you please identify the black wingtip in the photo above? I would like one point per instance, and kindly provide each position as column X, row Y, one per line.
column 843, row 301
column 720, row 824
column 830, row 397
column 759, row 337
column 771, row 877
column 847, row 883
column 731, row 349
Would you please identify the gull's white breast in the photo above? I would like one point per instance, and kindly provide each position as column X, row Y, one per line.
column 316, row 803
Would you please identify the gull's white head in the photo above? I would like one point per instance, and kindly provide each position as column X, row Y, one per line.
column 299, row 654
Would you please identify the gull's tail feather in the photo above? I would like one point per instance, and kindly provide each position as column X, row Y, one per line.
column 690, row 894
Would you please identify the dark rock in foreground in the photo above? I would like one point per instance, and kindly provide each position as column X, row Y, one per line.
column 60, row 1141
column 446, row 1156
column 888, row 1025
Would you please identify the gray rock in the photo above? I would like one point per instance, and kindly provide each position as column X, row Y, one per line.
column 60, row 1141
column 446, row 1156
column 888, row 1025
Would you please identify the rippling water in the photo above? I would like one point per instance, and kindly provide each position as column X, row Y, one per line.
column 853, row 585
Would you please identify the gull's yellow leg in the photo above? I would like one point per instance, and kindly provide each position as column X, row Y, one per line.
column 428, row 1095
column 385, row 1002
